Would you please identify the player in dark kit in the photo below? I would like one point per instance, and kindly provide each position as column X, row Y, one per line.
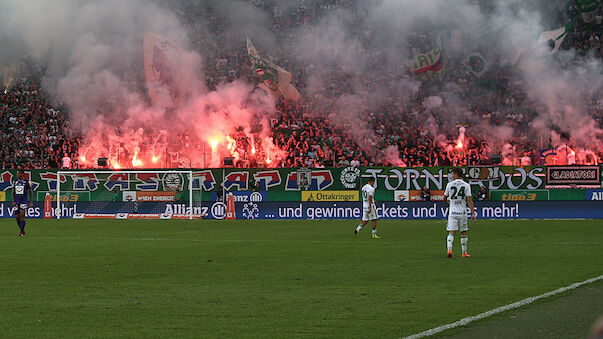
column 21, row 192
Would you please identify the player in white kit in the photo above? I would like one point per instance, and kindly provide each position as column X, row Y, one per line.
column 457, row 196
column 369, row 211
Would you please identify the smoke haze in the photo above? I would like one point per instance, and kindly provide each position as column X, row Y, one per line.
column 91, row 53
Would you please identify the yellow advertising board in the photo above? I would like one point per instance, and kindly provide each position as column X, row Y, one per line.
column 330, row 196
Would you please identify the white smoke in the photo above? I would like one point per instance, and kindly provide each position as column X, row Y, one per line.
column 91, row 51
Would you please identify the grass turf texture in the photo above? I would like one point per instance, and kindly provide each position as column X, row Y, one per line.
column 124, row 278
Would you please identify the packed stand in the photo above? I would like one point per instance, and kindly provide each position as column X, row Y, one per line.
column 36, row 134
column 40, row 136
column 310, row 138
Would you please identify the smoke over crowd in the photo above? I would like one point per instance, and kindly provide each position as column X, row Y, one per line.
column 350, row 60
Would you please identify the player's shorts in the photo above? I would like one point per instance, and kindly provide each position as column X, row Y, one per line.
column 366, row 216
column 456, row 221
column 21, row 203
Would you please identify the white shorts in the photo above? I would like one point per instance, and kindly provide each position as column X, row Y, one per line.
column 366, row 216
column 456, row 221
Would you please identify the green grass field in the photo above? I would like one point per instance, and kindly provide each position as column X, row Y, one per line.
column 285, row 279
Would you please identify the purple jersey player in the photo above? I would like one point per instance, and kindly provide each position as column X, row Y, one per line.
column 22, row 199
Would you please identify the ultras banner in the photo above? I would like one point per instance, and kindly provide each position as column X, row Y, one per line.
column 88, row 186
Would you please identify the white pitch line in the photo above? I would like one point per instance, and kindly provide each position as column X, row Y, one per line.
column 486, row 314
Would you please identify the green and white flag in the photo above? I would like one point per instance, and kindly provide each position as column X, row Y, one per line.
column 430, row 64
column 555, row 38
column 476, row 64
column 277, row 81
column 588, row 8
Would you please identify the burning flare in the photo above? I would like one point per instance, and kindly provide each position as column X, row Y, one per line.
column 214, row 144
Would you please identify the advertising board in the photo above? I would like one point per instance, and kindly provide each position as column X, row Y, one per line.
column 573, row 175
column 596, row 195
column 519, row 195
column 330, row 195
column 333, row 210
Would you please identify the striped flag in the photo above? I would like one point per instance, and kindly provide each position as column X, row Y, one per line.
column 277, row 81
column 430, row 63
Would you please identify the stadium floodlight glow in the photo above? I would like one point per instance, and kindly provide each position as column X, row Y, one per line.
column 145, row 191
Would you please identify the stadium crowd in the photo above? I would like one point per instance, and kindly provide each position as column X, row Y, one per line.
column 307, row 132
column 37, row 133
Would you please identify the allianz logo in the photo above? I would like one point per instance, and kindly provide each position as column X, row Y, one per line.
column 253, row 197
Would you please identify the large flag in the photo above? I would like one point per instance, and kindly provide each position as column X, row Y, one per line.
column 277, row 81
column 165, row 70
column 555, row 37
column 588, row 8
column 476, row 64
column 430, row 63
column 547, row 157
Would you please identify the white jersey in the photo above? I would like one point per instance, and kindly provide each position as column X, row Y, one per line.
column 66, row 162
column 367, row 191
column 457, row 192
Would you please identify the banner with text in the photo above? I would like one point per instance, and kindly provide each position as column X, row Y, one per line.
column 580, row 176
column 330, row 196
column 331, row 210
column 283, row 183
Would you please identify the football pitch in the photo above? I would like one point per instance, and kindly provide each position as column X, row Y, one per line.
column 283, row 279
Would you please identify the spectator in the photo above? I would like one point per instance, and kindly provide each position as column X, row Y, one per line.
column 483, row 195
column 66, row 161
column 526, row 160
column 425, row 194
column 220, row 193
